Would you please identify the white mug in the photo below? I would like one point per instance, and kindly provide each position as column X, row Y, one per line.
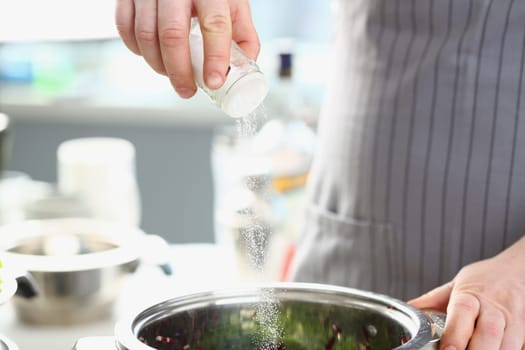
column 102, row 173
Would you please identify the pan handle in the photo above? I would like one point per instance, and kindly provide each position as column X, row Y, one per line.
column 437, row 321
column 27, row 287
column 99, row 343
column 156, row 252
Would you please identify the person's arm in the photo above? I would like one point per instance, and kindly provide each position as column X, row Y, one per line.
column 158, row 30
column 485, row 303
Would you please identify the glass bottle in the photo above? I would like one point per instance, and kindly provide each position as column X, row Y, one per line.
column 245, row 86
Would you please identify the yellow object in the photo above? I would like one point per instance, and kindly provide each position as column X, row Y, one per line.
column 287, row 183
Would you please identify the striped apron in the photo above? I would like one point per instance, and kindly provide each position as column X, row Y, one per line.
column 420, row 167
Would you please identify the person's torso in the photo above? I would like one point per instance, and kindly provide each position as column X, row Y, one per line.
column 422, row 134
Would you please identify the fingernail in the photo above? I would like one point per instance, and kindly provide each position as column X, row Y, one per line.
column 450, row 347
column 185, row 92
column 214, row 81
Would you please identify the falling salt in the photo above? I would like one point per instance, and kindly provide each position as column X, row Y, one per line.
column 267, row 315
column 256, row 235
column 257, row 232
column 248, row 126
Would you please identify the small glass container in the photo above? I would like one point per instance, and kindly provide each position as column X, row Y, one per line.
column 245, row 86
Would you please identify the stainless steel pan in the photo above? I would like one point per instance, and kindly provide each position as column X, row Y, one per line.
column 77, row 266
column 276, row 316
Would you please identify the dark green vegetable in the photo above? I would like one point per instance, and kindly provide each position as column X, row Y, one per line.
column 297, row 326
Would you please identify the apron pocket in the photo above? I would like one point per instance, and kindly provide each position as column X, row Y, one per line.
column 347, row 252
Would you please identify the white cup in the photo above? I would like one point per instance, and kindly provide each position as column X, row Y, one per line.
column 102, row 173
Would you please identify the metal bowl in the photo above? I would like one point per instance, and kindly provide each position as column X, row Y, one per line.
column 278, row 316
column 78, row 266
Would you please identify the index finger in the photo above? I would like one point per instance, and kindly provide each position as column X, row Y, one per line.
column 216, row 26
column 462, row 313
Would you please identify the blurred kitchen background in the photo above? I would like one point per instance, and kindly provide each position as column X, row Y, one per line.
column 64, row 75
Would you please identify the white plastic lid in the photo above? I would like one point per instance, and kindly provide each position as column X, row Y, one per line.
column 245, row 95
column 96, row 150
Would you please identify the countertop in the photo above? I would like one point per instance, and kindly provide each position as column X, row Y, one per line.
column 197, row 267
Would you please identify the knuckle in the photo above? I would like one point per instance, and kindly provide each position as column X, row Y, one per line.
column 146, row 35
column 215, row 24
column 493, row 327
column 173, row 35
column 466, row 303
column 216, row 57
column 123, row 30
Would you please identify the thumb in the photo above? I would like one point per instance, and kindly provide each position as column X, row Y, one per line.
column 437, row 299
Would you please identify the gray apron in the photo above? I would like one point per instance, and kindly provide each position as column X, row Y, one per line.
column 420, row 167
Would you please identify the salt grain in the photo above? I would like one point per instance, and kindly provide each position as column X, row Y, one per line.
column 256, row 234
